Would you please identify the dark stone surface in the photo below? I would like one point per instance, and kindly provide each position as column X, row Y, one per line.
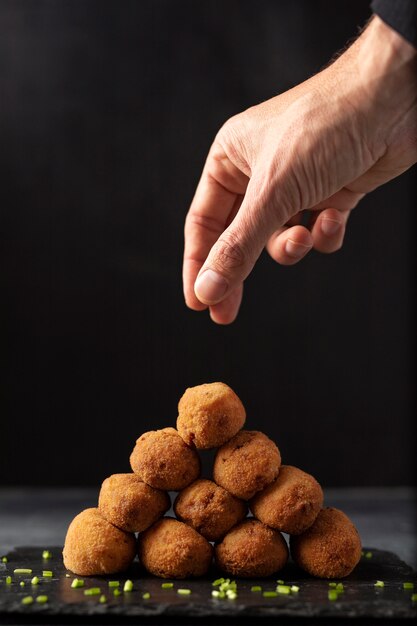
column 360, row 600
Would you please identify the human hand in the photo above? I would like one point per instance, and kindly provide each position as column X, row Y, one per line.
column 318, row 147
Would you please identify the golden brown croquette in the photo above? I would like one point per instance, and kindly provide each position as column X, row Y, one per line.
column 209, row 415
column 251, row 549
column 171, row 549
column 330, row 548
column 209, row 509
column 130, row 504
column 94, row 547
column 291, row 503
column 163, row 460
column 246, row 464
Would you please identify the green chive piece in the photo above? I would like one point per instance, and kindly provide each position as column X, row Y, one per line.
column 8, row 580
column 22, row 570
column 231, row 595
column 4, row 559
column 368, row 555
column 27, row 600
column 77, row 582
column 184, row 592
column 269, row 594
column 22, row 583
column 93, row 591
column 280, row 582
column 414, row 597
column 34, row 581
column 256, row 588
column 114, row 583
column 117, row 592
column 339, row 587
column 46, row 554
column 215, row 593
column 332, row 584
column 68, row 575
column 146, row 596
column 103, row 599
column 284, row 589
column 332, row 594
column 167, row 585
column 408, row 585
column 42, row 599
column 217, row 582
column 47, row 573
column 295, row 589
column 128, row 586
column 379, row 583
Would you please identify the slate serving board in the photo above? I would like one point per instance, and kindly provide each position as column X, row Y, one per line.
column 360, row 598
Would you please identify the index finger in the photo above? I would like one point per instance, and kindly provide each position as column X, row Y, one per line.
column 216, row 201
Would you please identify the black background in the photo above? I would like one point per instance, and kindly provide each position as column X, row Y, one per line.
column 107, row 113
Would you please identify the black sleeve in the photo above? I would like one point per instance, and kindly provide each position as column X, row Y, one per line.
column 401, row 15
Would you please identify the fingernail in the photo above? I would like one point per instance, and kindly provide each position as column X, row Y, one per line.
column 295, row 249
column 210, row 287
column 329, row 227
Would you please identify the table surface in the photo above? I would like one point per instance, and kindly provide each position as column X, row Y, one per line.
column 385, row 518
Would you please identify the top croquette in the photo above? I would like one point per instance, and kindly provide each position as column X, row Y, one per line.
column 209, row 415
column 246, row 464
column 163, row 460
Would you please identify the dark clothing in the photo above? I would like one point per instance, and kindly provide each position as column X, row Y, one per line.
column 401, row 15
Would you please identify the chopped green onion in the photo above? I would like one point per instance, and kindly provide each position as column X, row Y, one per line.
column 42, row 599
column 269, row 594
column 379, row 583
column 47, row 573
column 103, row 599
column 332, row 594
column 77, row 582
column 93, row 591
column 414, row 597
column 114, row 583
column 256, row 588
column 128, row 586
column 8, row 580
column 340, row 588
column 167, row 585
column 22, row 570
column 368, row 555
column 217, row 582
column 67, row 575
column 117, row 592
column 46, row 554
column 4, row 559
column 27, row 600
column 332, row 584
column 284, row 589
column 34, row 581
column 22, row 583
column 408, row 585
column 184, row 592
column 280, row 582
column 295, row 589
column 231, row 595
column 215, row 593
column 146, row 596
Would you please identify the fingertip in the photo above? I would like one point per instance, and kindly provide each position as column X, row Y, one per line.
column 226, row 312
column 329, row 230
column 291, row 245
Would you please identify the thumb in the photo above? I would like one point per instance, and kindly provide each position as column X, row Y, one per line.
column 234, row 254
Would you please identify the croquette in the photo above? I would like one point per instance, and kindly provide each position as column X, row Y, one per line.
column 163, row 460
column 246, row 464
column 171, row 549
column 209, row 509
column 291, row 503
column 93, row 546
column 130, row 504
column 251, row 549
column 209, row 415
column 330, row 548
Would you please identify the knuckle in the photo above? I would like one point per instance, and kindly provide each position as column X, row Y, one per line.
column 230, row 253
